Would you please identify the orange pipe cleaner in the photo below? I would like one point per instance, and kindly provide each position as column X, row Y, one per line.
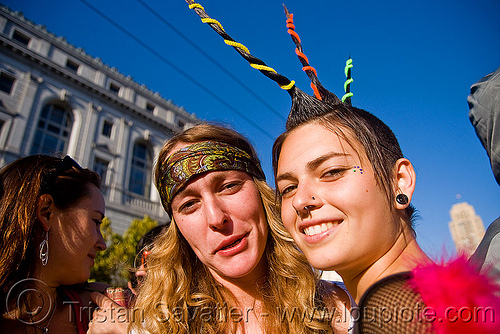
column 291, row 31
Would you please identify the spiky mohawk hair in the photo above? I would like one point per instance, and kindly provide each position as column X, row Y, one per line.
column 304, row 106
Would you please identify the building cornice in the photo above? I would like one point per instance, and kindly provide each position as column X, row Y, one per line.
column 92, row 88
column 79, row 53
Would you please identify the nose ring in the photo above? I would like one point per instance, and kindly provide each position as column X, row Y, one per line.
column 306, row 208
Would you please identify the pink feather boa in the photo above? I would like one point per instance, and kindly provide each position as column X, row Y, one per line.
column 462, row 300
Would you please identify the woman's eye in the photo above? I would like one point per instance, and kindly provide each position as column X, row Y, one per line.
column 335, row 173
column 231, row 186
column 287, row 190
column 186, row 206
column 97, row 222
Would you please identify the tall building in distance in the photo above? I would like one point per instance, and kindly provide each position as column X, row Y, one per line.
column 56, row 99
column 466, row 228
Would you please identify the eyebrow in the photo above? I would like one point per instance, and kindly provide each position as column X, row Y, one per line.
column 313, row 164
column 221, row 176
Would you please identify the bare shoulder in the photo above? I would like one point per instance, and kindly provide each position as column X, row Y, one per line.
column 333, row 294
column 338, row 302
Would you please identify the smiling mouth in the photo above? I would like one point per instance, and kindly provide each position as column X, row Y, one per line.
column 317, row 229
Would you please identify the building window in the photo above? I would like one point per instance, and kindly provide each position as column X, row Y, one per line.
column 101, row 168
column 71, row 65
column 180, row 124
column 114, row 88
column 21, row 38
column 150, row 107
column 53, row 129
column 6, row 82
column 140, row 174
column 107, row 128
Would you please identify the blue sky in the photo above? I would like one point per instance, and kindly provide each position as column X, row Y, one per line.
column 414, row 62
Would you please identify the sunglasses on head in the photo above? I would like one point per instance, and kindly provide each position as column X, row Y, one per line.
column 61, row 167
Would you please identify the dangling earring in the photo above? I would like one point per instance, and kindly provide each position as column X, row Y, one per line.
column 44, row 250
column 402, row 199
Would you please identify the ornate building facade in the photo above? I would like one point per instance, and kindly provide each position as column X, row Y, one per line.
column 56, row 99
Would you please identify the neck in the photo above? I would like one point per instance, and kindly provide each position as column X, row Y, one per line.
column 404, row 255
column 45, row 283
column 247, row 290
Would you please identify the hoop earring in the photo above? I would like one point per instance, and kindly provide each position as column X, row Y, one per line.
column 402, row 199
column 44, row 250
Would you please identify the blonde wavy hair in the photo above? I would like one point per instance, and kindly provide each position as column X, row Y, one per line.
column 179, row 294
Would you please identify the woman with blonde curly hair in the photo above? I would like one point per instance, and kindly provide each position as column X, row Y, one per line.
column 225, row 264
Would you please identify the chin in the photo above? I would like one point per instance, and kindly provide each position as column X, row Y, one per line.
column 319, row 262
column 239, row 272
column 79, row 279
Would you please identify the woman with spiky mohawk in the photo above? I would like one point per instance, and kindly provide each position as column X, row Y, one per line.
column 345, row 190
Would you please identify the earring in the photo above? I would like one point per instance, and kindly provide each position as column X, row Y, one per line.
column 313, row 198
column 44, row 250
column 402, row 199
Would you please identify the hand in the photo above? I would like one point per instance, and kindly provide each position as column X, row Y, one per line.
column 108, row 317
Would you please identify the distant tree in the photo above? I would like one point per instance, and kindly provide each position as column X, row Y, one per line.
column 112, row 265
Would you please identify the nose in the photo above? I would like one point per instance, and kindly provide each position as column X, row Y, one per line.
column 215, row 214
column 304, row 201
column 101, row 244
column 140, row 272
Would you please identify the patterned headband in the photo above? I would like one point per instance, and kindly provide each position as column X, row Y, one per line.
column 200, row 158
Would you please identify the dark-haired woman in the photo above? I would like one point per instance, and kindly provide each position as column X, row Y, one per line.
column 345, row 190
column 50, row 215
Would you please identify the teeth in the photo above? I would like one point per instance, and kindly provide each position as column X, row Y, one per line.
column 231, row 245
column 316, row 229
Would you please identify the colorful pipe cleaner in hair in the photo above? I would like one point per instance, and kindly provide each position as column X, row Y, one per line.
column 304, row 106
column 256, row 63
column 319, row 91
column 347, row 85
column 200, row 158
